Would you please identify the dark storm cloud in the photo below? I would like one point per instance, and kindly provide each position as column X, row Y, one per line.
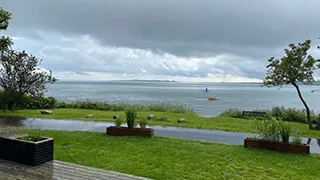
column 250, row 31
column 181, row 27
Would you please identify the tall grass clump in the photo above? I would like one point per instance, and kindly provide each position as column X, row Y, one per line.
column 285, row 114
column 232, row 112
column 278, row 130
column 269, row 129
column 131, row 117
column 98, row 105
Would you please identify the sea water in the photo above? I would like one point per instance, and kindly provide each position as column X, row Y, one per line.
column 243, row 96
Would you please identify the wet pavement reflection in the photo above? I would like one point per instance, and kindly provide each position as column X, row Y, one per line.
column 176, row 132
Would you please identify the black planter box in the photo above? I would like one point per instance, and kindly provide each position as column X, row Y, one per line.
column 26, row 152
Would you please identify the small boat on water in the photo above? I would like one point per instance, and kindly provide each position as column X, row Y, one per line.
column 213, row 98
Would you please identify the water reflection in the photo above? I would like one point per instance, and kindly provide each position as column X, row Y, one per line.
column 11, row 121
column 309, row 141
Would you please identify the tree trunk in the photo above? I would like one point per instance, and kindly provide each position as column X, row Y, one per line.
column 305, row 105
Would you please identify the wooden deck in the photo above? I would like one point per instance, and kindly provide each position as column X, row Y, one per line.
column 58, row 170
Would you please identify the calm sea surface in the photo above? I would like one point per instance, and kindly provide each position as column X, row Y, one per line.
column 231, row 95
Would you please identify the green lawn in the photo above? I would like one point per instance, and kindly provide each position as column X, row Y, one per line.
column 168, row 158
column 194, row 121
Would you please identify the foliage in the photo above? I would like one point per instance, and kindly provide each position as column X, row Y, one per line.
column 285, row 114
column 131, row 117
column 143, row 122
column 33, row 138
column 269, row 129
column 169, row 158
column 38, row 103
column 297, row 139
column 297, row 66
column 231, row 112
column 278, row 130
column 19, row 72
column 5, row 42
column 118, row 122
column 28, row 102
column 285, row 131
column 99, row 105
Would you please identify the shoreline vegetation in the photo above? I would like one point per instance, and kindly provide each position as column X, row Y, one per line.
column 229, row 120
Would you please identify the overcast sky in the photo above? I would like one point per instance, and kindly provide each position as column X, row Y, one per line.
column 187, row 40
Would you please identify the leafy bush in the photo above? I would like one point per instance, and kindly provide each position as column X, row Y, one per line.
column 143, row 123
column 33, row 138
column 285, row 131
column 38, row 103
column 231, row 112
column 131, row 117
column 118, row 122
column 286, row 114
column 27, row 102
column 123, row 106
column 269, row 129
column 277, row 130
column 297, row 139
column 278, row 112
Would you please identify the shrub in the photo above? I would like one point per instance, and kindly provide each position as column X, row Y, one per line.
column 289, row 114
column 143, row 123
column 278, row 112
column 123, row 106
column 276, row 130
column 27, row 102
column 269, row 129
column 285, row 131
column 33, row 138
column 118, row 122
column 296, row 138
column 131, row 117
column 38, row 103
column 231, row 112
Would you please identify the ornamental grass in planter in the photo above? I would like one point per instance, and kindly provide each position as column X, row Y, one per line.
column 26, row 149
column 131, row 116
column 275, row 135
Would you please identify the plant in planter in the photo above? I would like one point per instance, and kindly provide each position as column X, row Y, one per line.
column 285, row 131
column 296, row 139
column 130, row 130
column 269, row 129
column 117, row 121
column 275, row 135
column 31, row 149
column 143, row 123
column 131, row 117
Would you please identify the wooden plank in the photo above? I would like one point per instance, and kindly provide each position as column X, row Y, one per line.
column 58, row 170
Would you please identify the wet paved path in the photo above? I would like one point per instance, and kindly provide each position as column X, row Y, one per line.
column 58, row 170
column 176, row 132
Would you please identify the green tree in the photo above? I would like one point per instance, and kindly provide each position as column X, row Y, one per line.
column 20, row 76
column 297, row 66
column 5, row 42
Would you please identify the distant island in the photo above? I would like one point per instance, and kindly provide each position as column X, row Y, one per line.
column 142, row 80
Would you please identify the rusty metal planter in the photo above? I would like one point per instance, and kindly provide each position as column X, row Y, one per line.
column 124, row 131
column 276, row 146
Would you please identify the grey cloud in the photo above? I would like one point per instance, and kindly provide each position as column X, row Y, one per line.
column 181, row 27
column 248, row 31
